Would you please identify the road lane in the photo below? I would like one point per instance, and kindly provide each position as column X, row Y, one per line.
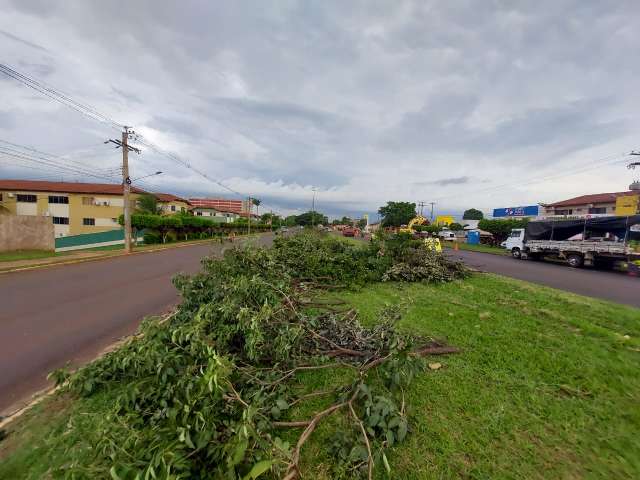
column 70, row 313
column 607, row 285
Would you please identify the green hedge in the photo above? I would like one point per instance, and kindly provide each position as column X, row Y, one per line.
column 161, row 229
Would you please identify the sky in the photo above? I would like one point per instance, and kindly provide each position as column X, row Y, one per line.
column 481, row 104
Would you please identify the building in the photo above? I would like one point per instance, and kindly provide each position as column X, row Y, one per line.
column 74, row 208
column 594, row 204
column 170, row 204
column 444, row 220
column 222, row 204
column 214, row 214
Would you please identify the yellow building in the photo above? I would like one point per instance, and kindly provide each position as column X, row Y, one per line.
column 444, row 220
column 170, row 204
column 74, row 208
column 628, row 205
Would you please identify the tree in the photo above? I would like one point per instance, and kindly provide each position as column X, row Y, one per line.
column 472, row 214
column 311, row 218
column 501, row 228
column 395, row 214
column 290, row 221
column 346, row 221
column 271, row 219
column 257, row 203
column 148, row 203
column 362, row 223
column 455, row 226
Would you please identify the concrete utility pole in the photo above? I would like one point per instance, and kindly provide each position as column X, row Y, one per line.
column 126, row 183
column 421, row 205
column 313, row 208
column 432, row 204
column 126, row 190
column 249, row 218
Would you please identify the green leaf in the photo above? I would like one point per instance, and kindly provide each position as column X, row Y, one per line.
column 275, row 412
column 258, row 469
column 402, row 430
column 238, row 453
column 114, row 473
column 386, row 463
column 282, row 405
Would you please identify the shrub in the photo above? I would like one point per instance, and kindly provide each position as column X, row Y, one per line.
column 151, row 238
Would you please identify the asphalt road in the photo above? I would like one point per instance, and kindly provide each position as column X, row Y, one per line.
column 70, row 313
column 607, row 285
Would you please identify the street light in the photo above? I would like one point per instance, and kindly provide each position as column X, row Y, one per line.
column 147, row 176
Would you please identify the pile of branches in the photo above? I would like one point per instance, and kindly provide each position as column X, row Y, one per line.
column 212, row 391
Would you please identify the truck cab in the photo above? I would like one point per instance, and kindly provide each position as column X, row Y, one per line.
column 515, row 242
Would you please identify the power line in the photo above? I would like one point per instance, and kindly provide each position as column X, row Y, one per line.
column 90, row 112
column 38, row 86
column 590, row 166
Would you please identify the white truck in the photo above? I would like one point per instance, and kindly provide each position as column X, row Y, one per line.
column 599, row 241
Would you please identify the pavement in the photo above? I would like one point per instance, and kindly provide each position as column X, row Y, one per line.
column 607, row 285
column 71, row 313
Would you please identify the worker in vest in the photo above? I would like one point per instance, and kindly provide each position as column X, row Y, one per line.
column 433, row 244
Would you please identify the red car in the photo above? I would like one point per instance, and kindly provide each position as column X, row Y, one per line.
column 350, row 232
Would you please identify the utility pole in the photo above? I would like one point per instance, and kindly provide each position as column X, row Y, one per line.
column 421, row 205
column 432, row 204
column 313, row 208
column 126, row 183
column 249, row 218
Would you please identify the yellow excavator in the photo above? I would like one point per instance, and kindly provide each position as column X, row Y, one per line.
column 430, row 243
column 417, row 220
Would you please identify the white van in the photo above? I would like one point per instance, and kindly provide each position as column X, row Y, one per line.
column 447, row 235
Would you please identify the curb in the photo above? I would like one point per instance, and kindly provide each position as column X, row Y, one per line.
column 105, row 256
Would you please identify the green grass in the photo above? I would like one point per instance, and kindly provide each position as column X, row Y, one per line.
column 24, row 255
column 478, row 248
column 546, row 387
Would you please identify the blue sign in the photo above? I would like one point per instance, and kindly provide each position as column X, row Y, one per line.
column 529, row 211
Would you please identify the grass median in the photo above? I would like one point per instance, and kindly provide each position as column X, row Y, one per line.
column 546, row 386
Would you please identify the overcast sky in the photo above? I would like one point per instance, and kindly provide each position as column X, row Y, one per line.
column 466, row 103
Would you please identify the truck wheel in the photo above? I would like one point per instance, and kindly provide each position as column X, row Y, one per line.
column 575, row 260
column 515, row 252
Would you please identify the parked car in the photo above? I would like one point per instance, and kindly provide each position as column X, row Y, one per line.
column 447, row 235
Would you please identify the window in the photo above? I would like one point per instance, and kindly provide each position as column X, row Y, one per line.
column 114, row 220
column 597, row 210
column 27, row 198
column 173, row 208
column 88, row 200
column 564, row 212
column 515, row 234
column 199, row 214
column 60, row 220
column 88, row 221
column 58, row 199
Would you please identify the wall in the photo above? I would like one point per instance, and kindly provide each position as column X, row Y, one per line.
column 628, row 205
column 26, row 233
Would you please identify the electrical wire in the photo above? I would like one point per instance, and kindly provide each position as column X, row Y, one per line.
column 59, row 97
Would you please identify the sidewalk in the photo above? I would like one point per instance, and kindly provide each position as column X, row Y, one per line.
column 85, row 256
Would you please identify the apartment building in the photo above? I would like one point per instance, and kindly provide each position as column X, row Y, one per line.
column 222, row 204
column 170, row 204
column 74, row 208
column 214, row 214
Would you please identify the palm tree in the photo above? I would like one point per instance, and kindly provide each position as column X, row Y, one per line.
column 257, row 203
